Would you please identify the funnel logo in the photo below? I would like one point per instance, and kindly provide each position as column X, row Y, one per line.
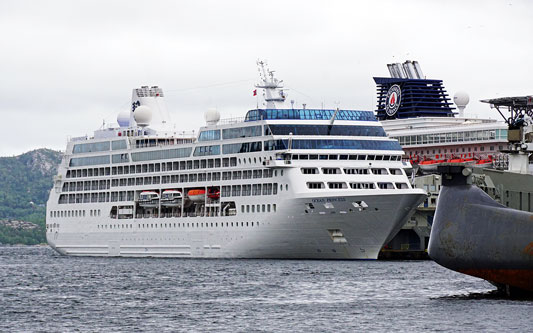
column 134, row 105
column 392, row 103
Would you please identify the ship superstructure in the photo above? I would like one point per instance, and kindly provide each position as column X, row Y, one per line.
column 278, row 183
column 418, row 113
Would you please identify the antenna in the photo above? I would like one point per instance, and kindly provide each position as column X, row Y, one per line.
column 272, row 87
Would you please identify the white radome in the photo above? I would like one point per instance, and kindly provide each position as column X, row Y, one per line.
column 142, row 115
column 123, row 119
column 461, row 98
column 212, row 116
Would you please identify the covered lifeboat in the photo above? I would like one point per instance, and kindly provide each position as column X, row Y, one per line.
column 171, row 198
column 148, row 199
column 196, row 195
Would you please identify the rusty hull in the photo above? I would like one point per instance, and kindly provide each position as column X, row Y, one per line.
column 474, row 235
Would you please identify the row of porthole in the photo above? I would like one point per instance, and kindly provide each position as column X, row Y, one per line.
column 263, row 208
column 74, row 213
column 179, row 225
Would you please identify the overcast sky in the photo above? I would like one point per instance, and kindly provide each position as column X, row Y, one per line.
column 66, row 66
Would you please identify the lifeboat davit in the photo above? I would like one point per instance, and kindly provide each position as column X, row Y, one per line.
column 196, row 195
column 171, row 198
column 148, row 199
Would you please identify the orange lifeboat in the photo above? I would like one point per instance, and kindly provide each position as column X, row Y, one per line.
column 484, row 163
column 213, row 193
column 430, row 165
column 196, row 195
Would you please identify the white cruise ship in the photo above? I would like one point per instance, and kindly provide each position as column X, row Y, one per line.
column 278, row 183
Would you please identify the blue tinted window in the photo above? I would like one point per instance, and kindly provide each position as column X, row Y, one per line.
column 120, row 158
column 92, row 160
column 244, row 147
column 206, row 150
column 333, row 144
column 161, row 154
column 90, row 147
column 209, row 135
column 346, row 144
column 119, row 144
column 276, row 144
column 341, row 130
column 241, row 132
column 254, row 115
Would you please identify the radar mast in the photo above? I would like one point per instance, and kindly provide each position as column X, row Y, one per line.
column 272, row 88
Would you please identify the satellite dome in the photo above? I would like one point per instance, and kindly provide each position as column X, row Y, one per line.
column 461, row 98
column 123, row 119
column 212, row 116
column 142, row 115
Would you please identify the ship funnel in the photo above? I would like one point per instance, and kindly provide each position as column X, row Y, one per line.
column 391, row 70
column 151, row 97
column 418, row 70
column 399, row 71
column 409, row 69
column 396, row 71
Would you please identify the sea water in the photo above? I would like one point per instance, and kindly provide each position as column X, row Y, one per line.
column 41, row 290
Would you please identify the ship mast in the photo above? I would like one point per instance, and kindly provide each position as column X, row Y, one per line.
column 272, row 88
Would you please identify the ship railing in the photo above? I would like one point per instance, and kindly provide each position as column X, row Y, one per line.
column 234, row 120
column 80, row 138
column 146, row 216
column 169, row 215
column 274, row 163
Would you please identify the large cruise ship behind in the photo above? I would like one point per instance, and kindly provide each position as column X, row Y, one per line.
column 278, row 183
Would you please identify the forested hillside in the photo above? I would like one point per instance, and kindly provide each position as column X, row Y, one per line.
column 25, row 181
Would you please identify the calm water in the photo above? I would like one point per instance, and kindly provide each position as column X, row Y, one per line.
column 42, row 291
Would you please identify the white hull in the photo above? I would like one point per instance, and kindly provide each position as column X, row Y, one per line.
column 291, row 185
column 288, row 233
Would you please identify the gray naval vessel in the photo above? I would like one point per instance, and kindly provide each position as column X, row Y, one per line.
column 483, row 223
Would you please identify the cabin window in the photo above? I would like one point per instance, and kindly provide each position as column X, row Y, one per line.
column 379, row 171
column 331, row 171
column 315, row 185
column 337, row 185
column 385, row 186
column 395, row 171
column 309, row 171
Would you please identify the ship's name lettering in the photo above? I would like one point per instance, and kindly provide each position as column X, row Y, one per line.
column 328, row 200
